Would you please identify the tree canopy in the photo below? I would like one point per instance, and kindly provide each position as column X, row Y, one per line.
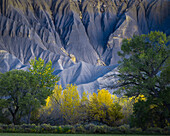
column 23, row 92
column 145, row 69
column 17, row 88
column 144, row 63
column 44, row 73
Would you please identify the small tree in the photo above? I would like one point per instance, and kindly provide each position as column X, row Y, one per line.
column 104, row 109
column 16, row 91
column 23, row 92
column 46, row 82
column 67, row 104
column 70, row 104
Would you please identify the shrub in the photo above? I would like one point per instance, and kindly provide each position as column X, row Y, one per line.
column 54, row 129
column 28, row 126
column 124, row 128
column 1, row 129
column 46, row 128
column 153, row 130
column 59, row 129
column 115, row 130
column 90, row 128
column 79, row 129
column 166, row 130
column 135, row 131
column 102, row 129
column 38, row 129
column 67, row 128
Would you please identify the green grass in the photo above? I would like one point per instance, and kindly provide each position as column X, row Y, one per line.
column 31, row 134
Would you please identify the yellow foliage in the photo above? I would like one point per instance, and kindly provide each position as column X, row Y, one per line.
column 140, row 97
column 102, row 107
column 153, row 106
column 84, row 99
column 104, row 97
column 56, row 97
column 47, row 102
column 53, row 99
column 115, row 98
column 70, row 104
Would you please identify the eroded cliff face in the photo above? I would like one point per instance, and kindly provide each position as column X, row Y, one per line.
column 75, row 34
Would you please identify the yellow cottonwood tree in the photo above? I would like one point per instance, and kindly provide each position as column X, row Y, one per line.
column 70, row 104
column 52, row 107
column 69, row 108
column 102, row 108
column 55, row 99
column 65, row 106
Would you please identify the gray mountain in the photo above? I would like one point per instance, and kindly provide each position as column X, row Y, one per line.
column 80, row 37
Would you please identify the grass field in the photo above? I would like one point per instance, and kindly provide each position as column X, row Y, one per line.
column 31, row 134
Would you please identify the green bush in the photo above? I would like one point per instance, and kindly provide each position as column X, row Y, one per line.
column 104, row 129
column 46, row 128
column 124, row 129
column 67, row 128
column 38, row 129
column 54, row 129
column 79, row 129
column 58, row 129
column 90, row 128
column 135, row 131
column 115, row 130
column 154, row 130
column 1, row 129
column 166, row 130
column 27, row 128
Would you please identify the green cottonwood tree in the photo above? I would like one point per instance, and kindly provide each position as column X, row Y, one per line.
column 144, row 70
column 16, row 91
column 140, row 72
column 46, row 81
column 44, row 73
column 23, row 92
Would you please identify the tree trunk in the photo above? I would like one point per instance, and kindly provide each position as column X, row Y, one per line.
column 29, row 115
column 14, row 119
